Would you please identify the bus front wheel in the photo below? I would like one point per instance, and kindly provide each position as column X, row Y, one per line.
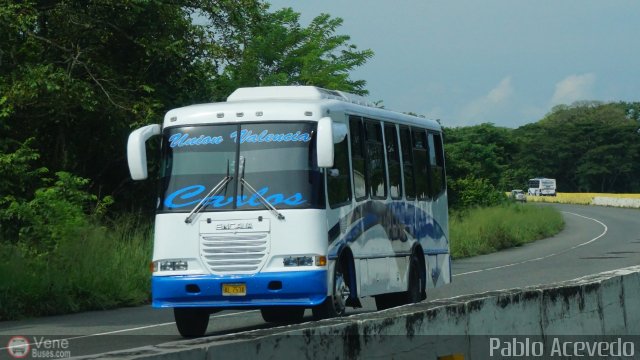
column 336, row 304
column 191, row 322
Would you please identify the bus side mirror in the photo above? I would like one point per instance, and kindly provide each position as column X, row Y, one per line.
column 324, row 143
column 136, row 151
column 329, row 133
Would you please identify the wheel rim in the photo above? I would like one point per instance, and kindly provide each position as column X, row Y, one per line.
column 340, row 294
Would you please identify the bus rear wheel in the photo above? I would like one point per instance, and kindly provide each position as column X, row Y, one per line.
column 191, row 322
column 283, row 314
column 415, row 291
column 336, row 304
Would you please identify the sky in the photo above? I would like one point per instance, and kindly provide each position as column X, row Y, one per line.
column 506, row 62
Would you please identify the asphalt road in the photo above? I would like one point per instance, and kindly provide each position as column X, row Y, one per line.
column 595, row 239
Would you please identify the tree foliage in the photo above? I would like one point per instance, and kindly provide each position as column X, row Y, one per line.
column 587, row 146
column 279, row 51
column 76, row 77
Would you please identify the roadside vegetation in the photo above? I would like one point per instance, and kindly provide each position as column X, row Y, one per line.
column 482, row 219
column 91, row 267
column 480, row 231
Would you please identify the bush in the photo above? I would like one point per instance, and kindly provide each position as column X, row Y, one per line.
column 472, row 192
column 91, row 267
column 53, row 214
column 59, row 258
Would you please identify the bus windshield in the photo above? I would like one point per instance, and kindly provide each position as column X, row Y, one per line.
column 277, row 159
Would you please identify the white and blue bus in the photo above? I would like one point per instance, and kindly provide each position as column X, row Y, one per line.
column 542, row 187
column 290, row 198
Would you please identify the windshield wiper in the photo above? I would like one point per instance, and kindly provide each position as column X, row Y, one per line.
column 264, row 201
column 216, row 189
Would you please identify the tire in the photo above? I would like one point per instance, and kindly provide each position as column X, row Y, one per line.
column 191, row 322
column 415, row 290
column 387, row 301
column 335, row 305
column 283, row 314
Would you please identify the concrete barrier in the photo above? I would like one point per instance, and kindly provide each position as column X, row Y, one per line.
column 592, row 307
column 617, row 202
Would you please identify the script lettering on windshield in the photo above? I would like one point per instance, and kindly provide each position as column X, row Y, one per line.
column 246, row 136
column 191, row 195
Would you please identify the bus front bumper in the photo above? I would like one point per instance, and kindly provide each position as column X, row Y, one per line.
column 293, row 288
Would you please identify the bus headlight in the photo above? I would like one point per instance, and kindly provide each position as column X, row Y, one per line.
column 297, row 261
column 304, row 261
column 170, row 265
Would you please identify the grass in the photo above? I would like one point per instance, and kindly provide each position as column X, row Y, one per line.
column 485, row 230
column 93, row 268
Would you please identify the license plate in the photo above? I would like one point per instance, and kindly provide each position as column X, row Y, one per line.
column 234, row 289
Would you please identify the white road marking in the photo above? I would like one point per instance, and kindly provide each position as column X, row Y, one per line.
column 137, row 328
column 546, row 256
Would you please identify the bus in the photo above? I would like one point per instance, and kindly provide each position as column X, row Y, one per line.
column 542, row 187
column 289, row 198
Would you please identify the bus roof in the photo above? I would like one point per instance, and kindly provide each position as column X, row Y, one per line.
column 263, row 93
column 308, row 103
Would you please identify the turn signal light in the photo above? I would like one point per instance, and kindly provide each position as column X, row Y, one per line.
column 321, row 261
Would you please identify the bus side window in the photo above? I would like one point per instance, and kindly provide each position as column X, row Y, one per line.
column 339, row 177
column 358, row 157
column 393, row 160
column 421, row 163
column 436, row 159
column 407, row 162
column 376, row 169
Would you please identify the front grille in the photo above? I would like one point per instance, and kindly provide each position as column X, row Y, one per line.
column 234, row 253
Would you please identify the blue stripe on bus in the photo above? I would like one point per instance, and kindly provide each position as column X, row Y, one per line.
column 369, row 214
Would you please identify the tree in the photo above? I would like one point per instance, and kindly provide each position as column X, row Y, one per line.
column 77, row 76
column 478, row 162
column 483, row 151
column 588, row 146
column 279, row 51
